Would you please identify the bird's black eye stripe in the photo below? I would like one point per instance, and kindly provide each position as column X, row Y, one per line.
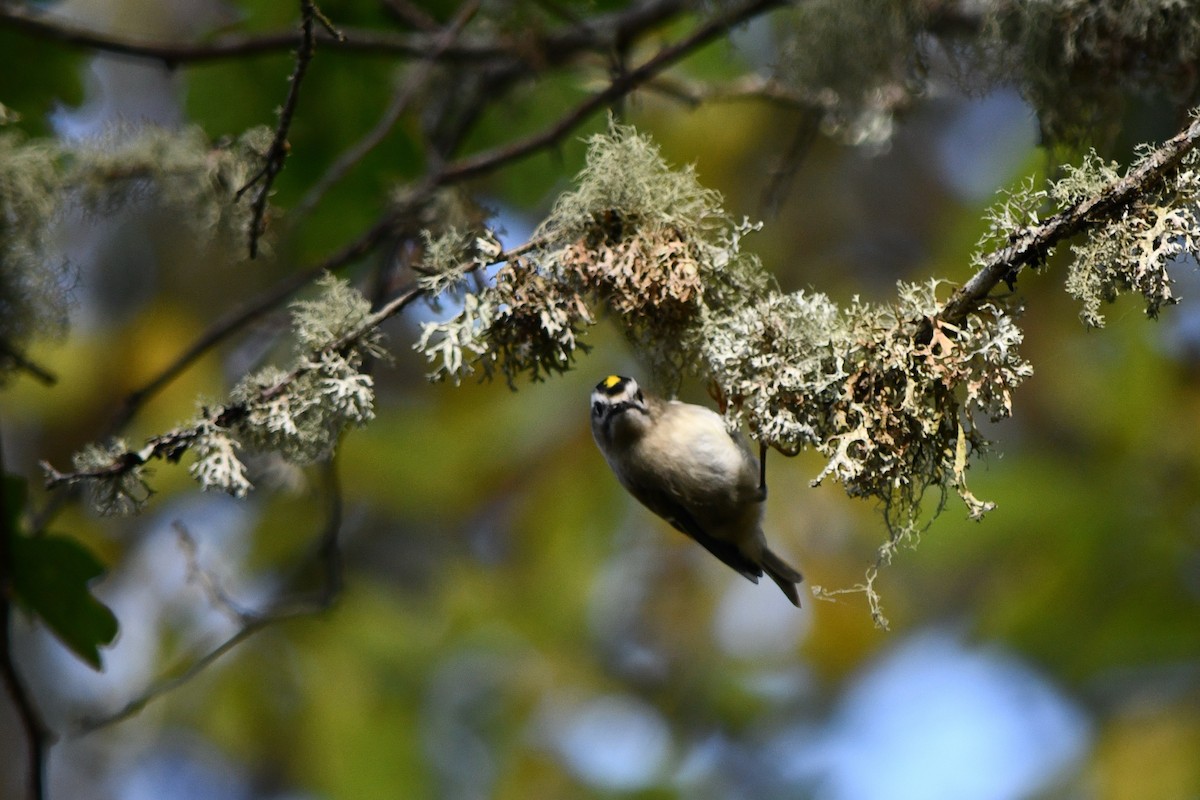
column 640, row 397
column 597, row 408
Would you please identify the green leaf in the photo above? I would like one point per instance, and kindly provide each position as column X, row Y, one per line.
column 50, row 579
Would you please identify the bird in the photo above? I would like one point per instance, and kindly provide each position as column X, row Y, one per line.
column 680, row 461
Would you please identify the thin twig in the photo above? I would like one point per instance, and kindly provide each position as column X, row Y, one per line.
column 278, row 151
column 329, row 557
column 218, row 598
column 411, row 15
column 780, row 178
column 598, row 34
column 328, row 25
column 1030, row 246
column 232, row 46
column 489, row 160
column 169, row 683
column 400, row 101
column 38, row 735
column 21, row 362
column 751, row 87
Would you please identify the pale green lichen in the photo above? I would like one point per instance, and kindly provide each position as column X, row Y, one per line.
column 1133, row 253
column 181, row 170
column 33, row 283
column 450, row 257
column 217, row 465
column 297, row 413
column 637, row 238
column 1018, row 208
column 626, row 186
column 859, row 59
column 43, row 182
column 119, row 493
column 1080, row 62
column 337, row 314
column 888, row 393
column 456, row 346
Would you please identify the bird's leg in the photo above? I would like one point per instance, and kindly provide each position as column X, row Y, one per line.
column 762, row 470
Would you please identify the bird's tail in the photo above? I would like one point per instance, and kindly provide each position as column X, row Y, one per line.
column 784, row 574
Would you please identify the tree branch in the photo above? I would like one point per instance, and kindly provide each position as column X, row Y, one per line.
column 172, row 445
column 20, row 361
column 411, row 14
column 396, row 108
column 277, row 153
column 38, row 735
column 489, row 160
column 1030, row 246
column 598, row 34
column 216, row 333
column 750, row 87
column 229, row 46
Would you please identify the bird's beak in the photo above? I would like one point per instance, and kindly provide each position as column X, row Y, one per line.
column 625, row 405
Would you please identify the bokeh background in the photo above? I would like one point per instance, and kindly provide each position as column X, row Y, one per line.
column 512, row 625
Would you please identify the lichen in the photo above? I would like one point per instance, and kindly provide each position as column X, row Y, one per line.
column 296, row 413
column 1133, row 253
column 43, row 181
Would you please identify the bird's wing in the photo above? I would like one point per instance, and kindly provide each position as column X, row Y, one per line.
column 673, row 512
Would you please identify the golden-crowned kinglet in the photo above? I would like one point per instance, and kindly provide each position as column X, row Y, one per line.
column 681, row 462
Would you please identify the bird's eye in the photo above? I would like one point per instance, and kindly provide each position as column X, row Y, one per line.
column 640, row 397
column 597, row 408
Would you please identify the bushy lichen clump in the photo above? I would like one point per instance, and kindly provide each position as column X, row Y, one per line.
column 1079, row 61
column 637, row 237
column 858, row 81
column 1156, row 230
column 1133, row 253
column 888, row 393
column 33, row 297
column 299, row 413
column 43, row 181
